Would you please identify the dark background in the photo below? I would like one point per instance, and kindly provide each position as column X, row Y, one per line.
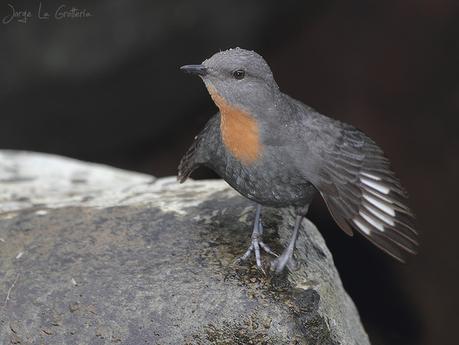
column 107, row 89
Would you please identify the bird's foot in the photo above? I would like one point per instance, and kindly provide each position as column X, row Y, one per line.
column 257, row 244
column 255, row 247
column 279, row 264
column 286, row 258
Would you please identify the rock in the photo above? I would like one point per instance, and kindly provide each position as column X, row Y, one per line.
column 93, row 255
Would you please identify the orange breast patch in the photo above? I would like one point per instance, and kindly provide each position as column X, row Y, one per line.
column 239, row 130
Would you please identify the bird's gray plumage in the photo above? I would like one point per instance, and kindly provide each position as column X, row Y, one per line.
column 303, row 152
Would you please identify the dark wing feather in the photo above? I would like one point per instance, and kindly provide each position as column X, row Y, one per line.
column 188, row 162
column 363, row 194
column 199, row 151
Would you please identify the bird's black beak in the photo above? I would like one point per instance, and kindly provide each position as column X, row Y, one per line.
column 195, row 69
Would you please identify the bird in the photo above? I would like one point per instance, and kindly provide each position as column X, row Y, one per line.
column 278, row 152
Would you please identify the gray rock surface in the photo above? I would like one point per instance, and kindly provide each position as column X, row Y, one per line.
column 94, row 255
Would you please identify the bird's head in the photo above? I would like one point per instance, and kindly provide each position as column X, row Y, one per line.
column 240, row 77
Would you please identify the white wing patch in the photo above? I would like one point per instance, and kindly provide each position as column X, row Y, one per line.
column 375, row 211
column 376, row 214
column 365, row 229
column 378, row 204
column 372, row 221
column 383, row 216
column 373, row 184
column 373, row 177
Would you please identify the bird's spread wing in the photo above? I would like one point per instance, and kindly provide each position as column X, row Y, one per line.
column 362, row 193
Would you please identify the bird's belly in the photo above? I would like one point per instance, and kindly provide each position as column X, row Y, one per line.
column 268, row 185
column 272, row 194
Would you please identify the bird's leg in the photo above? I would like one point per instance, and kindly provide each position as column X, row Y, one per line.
column 257, row 243
column 286, row 258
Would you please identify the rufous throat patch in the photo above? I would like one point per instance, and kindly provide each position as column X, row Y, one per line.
column 240, row 132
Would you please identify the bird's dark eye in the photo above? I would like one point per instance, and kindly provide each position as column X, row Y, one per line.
column 239, row 74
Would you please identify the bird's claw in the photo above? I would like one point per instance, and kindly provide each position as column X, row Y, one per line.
column 255, row 247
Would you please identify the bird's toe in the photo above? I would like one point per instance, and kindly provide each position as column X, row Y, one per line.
column 279, row 264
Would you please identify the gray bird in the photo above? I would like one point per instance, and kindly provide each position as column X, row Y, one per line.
column 279, row 152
